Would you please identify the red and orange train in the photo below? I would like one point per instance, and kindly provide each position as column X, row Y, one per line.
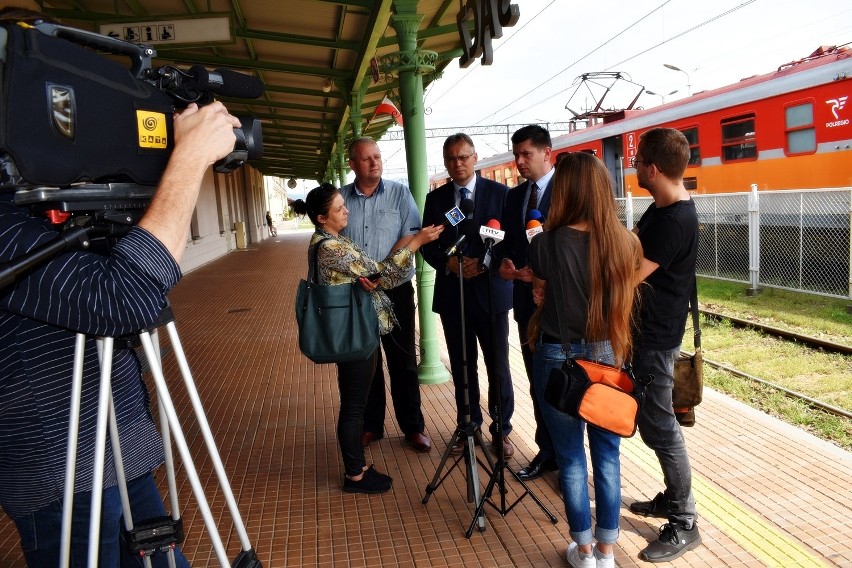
column 789, row 129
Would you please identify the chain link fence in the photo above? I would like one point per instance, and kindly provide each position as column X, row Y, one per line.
column 797, row 240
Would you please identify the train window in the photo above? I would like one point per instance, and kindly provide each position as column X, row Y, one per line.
column 800, row 130
column 507, row 176
column 694, row 149
column 739, row 139
column 690, row 183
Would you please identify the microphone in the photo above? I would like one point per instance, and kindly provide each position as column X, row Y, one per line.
column 534, row 226
column 535, row 214
column 491, row 235
column 466, row 207
column 226, row 82
column 458, row 214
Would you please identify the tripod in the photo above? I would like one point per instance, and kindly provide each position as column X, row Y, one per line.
column 467, row 431
column 162, row 533
column 498, row 476
column 149, row 535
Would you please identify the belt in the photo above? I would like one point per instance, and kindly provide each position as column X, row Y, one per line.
column 547, row 338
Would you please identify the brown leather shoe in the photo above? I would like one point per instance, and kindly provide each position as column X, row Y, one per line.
column 368, row 438
column 419, row 441
column 508, row 447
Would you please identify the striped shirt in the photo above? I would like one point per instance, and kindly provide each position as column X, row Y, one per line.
column 98, row 295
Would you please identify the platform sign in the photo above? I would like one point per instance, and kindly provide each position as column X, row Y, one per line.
column 177, row 32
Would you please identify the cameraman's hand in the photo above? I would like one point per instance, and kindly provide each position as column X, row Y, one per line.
column 205, row 134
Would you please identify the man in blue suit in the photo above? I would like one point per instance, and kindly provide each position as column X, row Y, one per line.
column 531, row 146
column 487, row 297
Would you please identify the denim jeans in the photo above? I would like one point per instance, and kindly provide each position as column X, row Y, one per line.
column 41, row 532
column 660, row 431
column 567, row 435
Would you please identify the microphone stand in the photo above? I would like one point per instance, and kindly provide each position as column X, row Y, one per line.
column 468, row 430
column 498, row 476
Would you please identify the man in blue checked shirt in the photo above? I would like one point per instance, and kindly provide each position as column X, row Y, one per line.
column 380, row 213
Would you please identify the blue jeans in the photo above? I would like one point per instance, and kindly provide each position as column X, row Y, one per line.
column 567, row 436
column 41, row 532
column 660, row 431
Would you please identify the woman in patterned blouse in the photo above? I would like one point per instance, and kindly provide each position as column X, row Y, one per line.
column 340, row 261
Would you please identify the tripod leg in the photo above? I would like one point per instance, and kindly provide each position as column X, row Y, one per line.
column 208, row 437
column 105, row 346
column 167, row 406
column 71, row 453
column 437, row 479
column 473, row 480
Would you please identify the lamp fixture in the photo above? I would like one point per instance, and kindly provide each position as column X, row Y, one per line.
column 326, row 85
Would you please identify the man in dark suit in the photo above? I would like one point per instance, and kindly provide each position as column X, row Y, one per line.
column 531, row 147
column 487, row 297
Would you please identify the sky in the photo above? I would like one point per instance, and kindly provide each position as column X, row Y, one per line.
column 537, row 61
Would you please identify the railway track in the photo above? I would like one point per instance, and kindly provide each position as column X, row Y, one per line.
column 786, row 335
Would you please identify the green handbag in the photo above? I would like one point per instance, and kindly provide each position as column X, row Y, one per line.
column 337, row 324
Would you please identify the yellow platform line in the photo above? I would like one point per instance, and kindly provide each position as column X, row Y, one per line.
column 740, row 524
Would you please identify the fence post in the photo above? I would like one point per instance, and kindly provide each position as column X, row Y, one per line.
column 628, row 213
column 849, row 218
column 753, row 240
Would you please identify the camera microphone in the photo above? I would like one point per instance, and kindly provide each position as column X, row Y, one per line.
column 534, row 226
column 226, row 82
column 491, row 235
column 458, row 214
column 466, row 207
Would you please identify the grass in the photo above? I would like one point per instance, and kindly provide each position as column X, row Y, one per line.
column 826, row 377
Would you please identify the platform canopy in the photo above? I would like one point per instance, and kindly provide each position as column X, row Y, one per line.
column 310, row 54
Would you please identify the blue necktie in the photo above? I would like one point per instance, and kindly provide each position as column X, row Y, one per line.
column 464, row 192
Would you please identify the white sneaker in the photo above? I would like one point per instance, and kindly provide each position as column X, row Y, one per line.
column 604, row 560
column 578, row 559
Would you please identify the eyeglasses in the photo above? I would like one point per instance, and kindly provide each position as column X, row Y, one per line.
column 459, row 158
column 634, row 161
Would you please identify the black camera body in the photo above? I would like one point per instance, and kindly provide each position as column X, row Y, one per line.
column 82, row 132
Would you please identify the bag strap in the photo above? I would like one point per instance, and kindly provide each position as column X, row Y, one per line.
column 693, row 308
column 313, row 270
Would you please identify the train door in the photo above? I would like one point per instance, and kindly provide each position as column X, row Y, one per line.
column 612, row 157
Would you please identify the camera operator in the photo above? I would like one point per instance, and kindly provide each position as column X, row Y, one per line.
column 113, row 294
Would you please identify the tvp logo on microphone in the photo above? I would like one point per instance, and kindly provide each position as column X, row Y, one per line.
column 454, row 216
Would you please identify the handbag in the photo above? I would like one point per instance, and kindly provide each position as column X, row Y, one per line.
column 689, row 372
column 605, row 396
column 337, row 324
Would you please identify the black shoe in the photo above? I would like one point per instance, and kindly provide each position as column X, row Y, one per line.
column 656, row 507
column 673, row 542
column 372, row 472
column 370, row 483
column 537, row 468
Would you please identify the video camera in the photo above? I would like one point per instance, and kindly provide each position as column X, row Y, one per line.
column 84, row 135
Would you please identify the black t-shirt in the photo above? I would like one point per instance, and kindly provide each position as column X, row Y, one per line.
column 669, row 237
column 567, row 280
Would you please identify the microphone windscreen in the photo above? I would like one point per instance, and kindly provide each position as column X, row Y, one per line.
column 466, row 206
column 533, row 214
column 493, row 224
column 239, row 85
column 533, row 223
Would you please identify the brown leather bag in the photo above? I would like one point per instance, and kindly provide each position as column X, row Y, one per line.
column 689, row 373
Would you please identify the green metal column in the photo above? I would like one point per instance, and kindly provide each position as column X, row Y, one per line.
column 410, row 64
column 341, row 160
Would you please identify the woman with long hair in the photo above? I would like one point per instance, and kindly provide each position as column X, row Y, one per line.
column 340, row 261
column 585, row 268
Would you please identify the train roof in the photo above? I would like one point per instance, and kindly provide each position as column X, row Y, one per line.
column 824, row 65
